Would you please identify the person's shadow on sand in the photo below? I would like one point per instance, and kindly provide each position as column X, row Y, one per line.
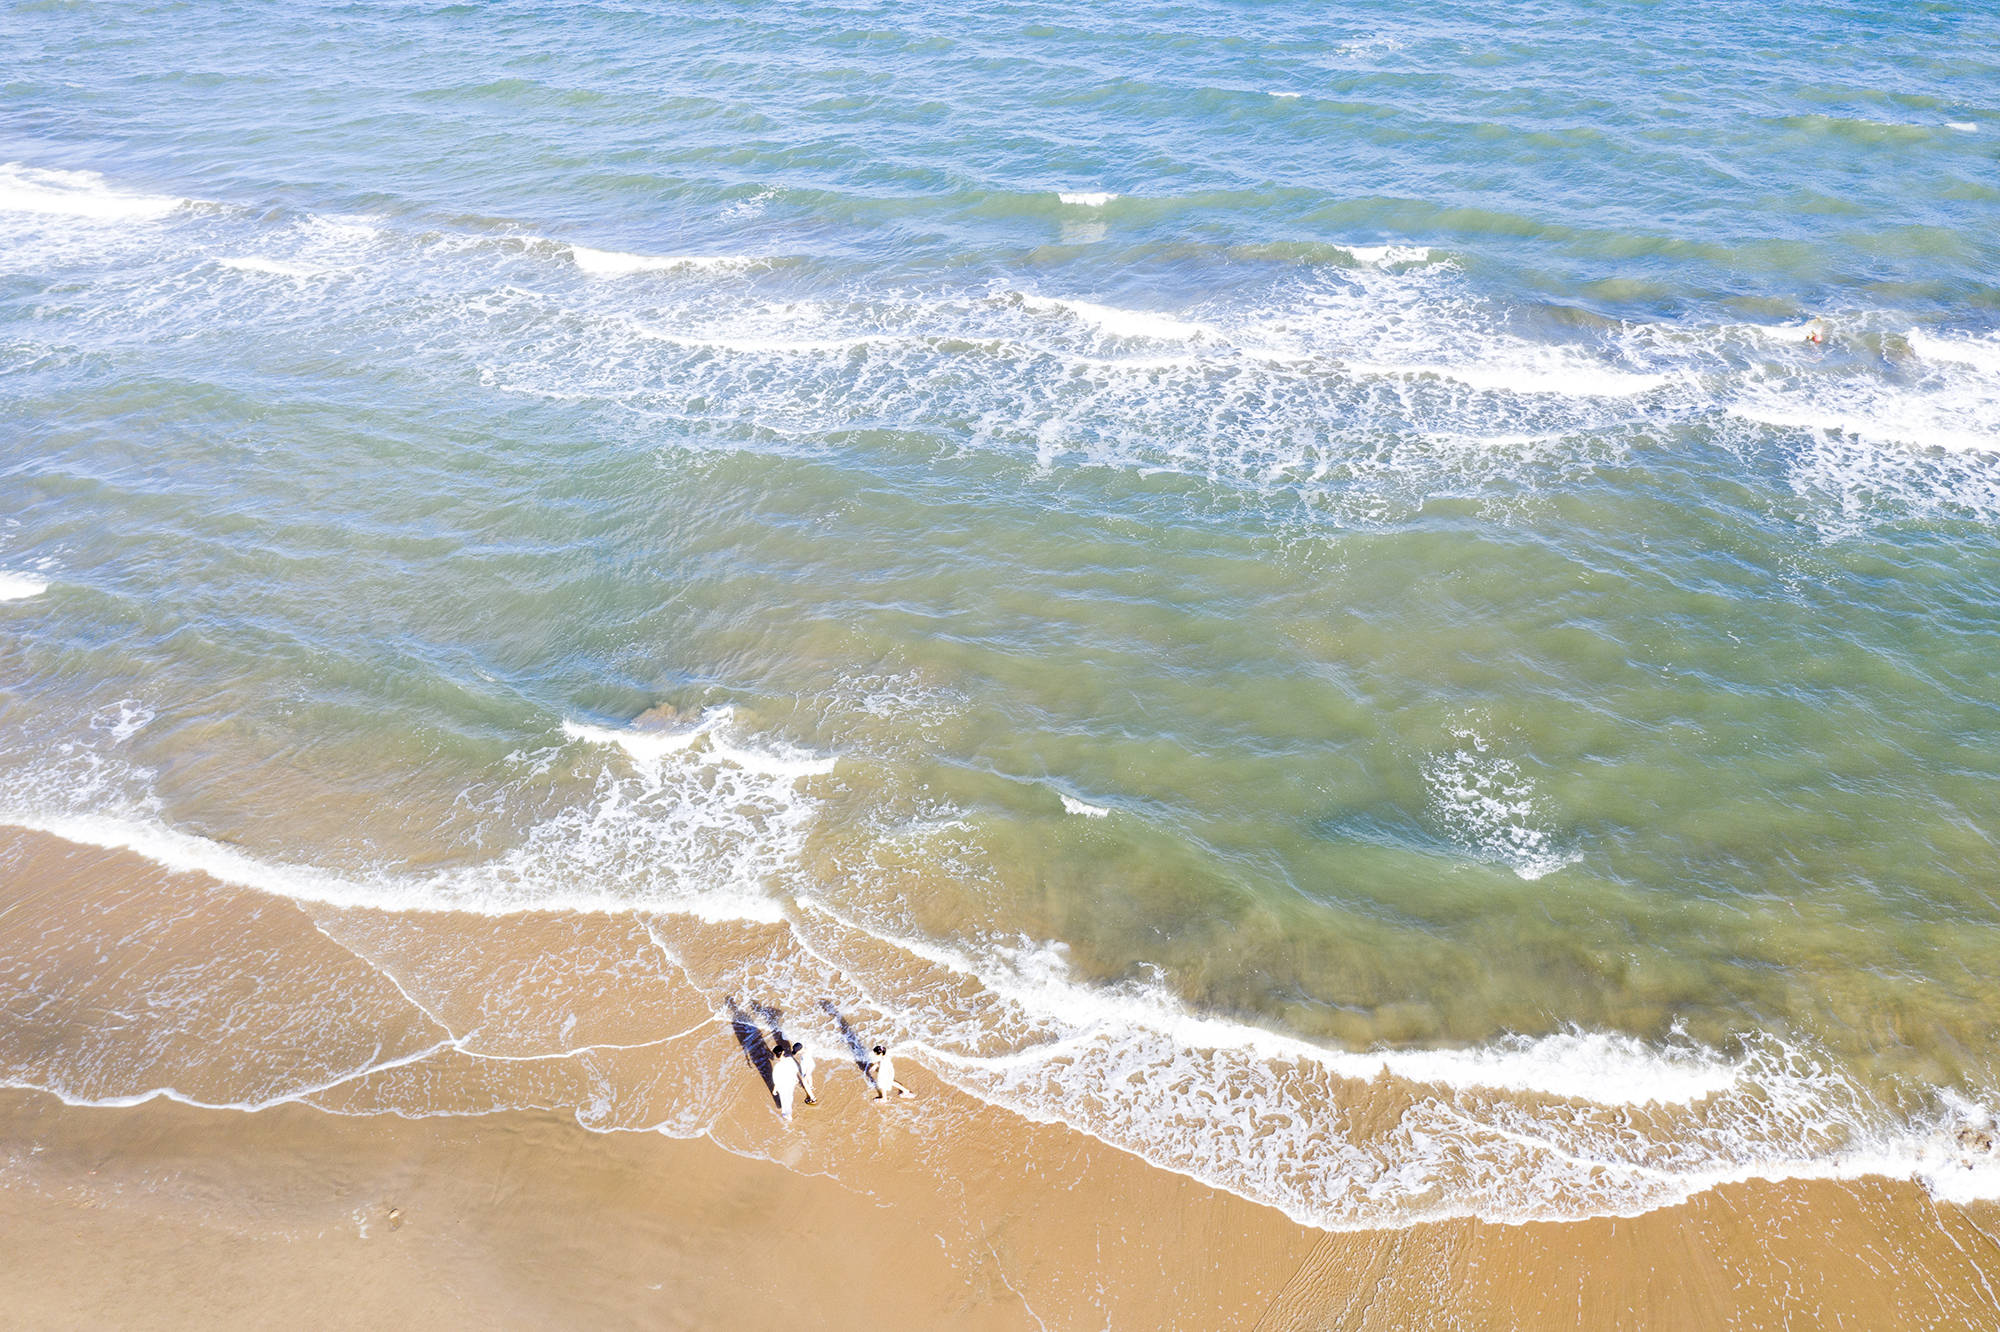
column 750, row 1036
column 855, row 1047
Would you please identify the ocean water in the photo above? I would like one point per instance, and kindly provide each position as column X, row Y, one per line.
column 1177, row 559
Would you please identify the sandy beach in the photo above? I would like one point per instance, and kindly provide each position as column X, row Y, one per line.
column 941, row 1211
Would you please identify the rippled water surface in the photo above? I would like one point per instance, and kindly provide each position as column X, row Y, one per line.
column 1168, row 548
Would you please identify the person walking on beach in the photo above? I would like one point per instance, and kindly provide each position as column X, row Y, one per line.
column 784, row 1078
column 883, row 1072
column 803, row 1060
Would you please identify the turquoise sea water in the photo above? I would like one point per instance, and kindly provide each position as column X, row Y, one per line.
column 1219, row 541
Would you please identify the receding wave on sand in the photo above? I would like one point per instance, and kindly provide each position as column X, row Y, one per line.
column 1565, row 1126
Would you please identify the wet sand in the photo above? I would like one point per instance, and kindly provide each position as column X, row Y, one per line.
column 161, row 1215
column 943, row 1211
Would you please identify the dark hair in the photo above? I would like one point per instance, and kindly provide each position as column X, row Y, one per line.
column 881, row 1049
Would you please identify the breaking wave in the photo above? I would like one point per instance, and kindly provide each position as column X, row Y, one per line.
column 83, row 195
column 613, row 263
column 702, row 851
column 1355, row 389
column 19, row 587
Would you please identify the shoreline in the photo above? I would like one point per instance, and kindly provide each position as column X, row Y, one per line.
column 473, row 1115
column 1532, row 1135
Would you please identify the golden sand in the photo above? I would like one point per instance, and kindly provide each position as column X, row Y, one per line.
column 944, row 1211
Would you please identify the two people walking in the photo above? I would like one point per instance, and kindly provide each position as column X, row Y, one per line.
column 792, row 1067
column 787, row 1066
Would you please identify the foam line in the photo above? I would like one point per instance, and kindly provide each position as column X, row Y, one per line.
column 253, row 263
column 1535, row 371
column 247, row 1107
column 1982, row 354
column 1117, row 322
column 792, row 764
column 302, row 1094
column 1382, row 256
column 546, row 1056
column 469, row 891
column 1879, row 419
column 615, row 263
column 643, row 745
column 650, row 747
column 772, row 346
column 78, row 194
column 392, row 978
column 1578, row 1065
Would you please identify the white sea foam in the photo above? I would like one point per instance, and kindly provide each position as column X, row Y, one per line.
column 777, row 761
column 750, row 207
column 1285, row 96
column 1981, row 353
column 1962, row 126
column 537, row 877
column 1948, row 1176
column 123, row 719
column 1087, row 198
column 340, row 234
column 902, row 697
column 614, row 263
column 1852, row 482
column 1279, row 396
column 1919, row 436
column 645, row 746
column 1383, row 256
column 1488, row 805
column 1120, row 323
column 1784, row 332
column 678, row 828
column 1083, row 807
column 288, row 1096
column 773, row 345
column 78, row 194
column 1943, row 419
column 1036, row 977
column 1533, row 370
column 252, row 263
column 19, row 586
column 1632, row 1126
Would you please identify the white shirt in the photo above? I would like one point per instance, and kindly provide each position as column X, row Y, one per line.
column 784, row 1081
